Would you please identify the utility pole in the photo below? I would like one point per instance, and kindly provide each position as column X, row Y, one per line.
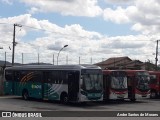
column 14, row 43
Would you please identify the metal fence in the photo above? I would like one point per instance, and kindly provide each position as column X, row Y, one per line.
column 39, row 58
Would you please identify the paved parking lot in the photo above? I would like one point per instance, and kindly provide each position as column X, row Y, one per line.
column 13, row 103
column 18, row 104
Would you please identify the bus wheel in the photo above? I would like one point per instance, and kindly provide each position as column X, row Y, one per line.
column 64, row 98
column 153, row 94
column 25, row 95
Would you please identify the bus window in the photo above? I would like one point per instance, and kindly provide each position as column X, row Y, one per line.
column 8, row 75
column 142, row 82
column 119, row 82
column 17, row 76
column 153, row 79
column 52, row 78
column 92, row 80
column 64, row 77
column 34, row 76
column 87, row 81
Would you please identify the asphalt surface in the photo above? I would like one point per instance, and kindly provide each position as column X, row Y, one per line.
column 14, row 103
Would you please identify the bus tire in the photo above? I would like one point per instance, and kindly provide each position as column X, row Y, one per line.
column 64, row 98
column 25, row 95
column 153, row 94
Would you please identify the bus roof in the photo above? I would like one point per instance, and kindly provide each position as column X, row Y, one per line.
column 134, row 71
column 53, row 67
column 109, row 71
column 154, row 72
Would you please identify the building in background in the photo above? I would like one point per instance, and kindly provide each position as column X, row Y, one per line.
column 125, row 63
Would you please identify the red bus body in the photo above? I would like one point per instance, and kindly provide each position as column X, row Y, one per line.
column 138, row 84
column 114, row 85
column 154, row 83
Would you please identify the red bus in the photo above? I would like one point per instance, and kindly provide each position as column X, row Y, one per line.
column 154, row 83
column 114, row 84
column 138, row 84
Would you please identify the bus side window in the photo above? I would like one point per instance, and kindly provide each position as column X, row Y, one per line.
column 49, row 76
column 34, row 76
column 46, row 75
column 8, row 75
column 53, row 77
column 22, row 76
column 56, row 77
column 64, row 77
column 17, row 76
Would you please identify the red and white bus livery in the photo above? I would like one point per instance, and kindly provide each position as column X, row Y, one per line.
column 154, row 84
column 114, row 84
column 138, row 84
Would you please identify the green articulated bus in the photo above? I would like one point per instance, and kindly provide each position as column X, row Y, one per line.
column 67, row 83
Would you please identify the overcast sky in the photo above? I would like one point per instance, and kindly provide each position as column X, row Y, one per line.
column 94, row 30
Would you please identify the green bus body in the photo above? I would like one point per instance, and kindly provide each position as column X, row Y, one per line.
column 68, row 83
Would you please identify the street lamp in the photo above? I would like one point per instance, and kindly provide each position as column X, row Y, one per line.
column 60, row 51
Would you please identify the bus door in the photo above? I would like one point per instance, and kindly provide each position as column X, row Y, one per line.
column 73, row 85
column 130, row 86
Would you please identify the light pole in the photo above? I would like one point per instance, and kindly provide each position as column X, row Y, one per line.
column 60, row 51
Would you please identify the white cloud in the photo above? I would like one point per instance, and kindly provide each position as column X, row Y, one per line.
column 144, row 15
column 10, row 2
column 118, row 16
column 81, row 43
column 33, row 10
column 119, row 1
column 87, row 8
